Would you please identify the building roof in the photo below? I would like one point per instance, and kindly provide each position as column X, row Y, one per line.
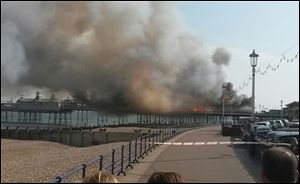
column 293, row 104
column 48, row 100
column 69, row 101
column 27, row 100
column 35, row 100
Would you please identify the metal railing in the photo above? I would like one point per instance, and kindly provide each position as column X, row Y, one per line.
column 118, row 160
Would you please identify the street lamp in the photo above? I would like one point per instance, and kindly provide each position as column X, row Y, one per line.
column 253, row 60
column 223, row 102
column 281, row 112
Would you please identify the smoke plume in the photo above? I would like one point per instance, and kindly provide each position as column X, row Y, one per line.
column 117, row 56
column 221, row 56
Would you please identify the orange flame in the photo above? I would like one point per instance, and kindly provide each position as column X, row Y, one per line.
column 202, row 109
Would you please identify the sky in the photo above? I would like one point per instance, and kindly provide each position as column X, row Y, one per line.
column 271, row 28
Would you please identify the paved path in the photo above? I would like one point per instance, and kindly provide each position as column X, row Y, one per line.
column 196, row 163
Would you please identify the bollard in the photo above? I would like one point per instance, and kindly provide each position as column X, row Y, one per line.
column 113, row 161
column 129, row 157
column 83, row 170
column 122, row 162
column 59, row 179
column 100, row 162
column 135, row 152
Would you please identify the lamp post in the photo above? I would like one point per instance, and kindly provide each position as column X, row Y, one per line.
column 281, row 112
column 253, row 60
column 223, row 103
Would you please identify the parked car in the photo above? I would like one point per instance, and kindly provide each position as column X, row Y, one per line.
column 262, row 131
column 288, row 129
column 271, row 135
column 271, row 121
column 273, row 125
column 261, row 123
column 285, row 122
column 292, row 125
column 264, row 123
column 279, row 124
column 286, row 137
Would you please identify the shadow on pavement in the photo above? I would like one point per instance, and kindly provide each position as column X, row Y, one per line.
column 251, row 164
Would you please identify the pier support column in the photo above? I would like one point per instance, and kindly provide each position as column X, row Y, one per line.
column 87, row 117
column 71, row 123
column 98, row 115
column 82, row 123
column 77, row 117
column 49, row 117
column 55, row 114
column 65, row 116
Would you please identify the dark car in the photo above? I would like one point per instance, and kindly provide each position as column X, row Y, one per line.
column 293, row 124
column 286, row 137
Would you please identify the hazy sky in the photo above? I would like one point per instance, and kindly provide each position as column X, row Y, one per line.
column 272, row 28
column 269, row 27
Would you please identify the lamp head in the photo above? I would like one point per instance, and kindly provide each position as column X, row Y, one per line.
column 253, row 58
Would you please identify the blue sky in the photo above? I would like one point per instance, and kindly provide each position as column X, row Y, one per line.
column 269, row 27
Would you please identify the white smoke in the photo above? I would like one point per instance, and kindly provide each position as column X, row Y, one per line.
column 120, row 56
column 13, row 63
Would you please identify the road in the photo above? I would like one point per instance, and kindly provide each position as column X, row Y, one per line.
column 199, row 162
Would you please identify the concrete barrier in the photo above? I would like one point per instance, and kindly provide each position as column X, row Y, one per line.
column 99, row 137
column 116, row 137
column 71, row 137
